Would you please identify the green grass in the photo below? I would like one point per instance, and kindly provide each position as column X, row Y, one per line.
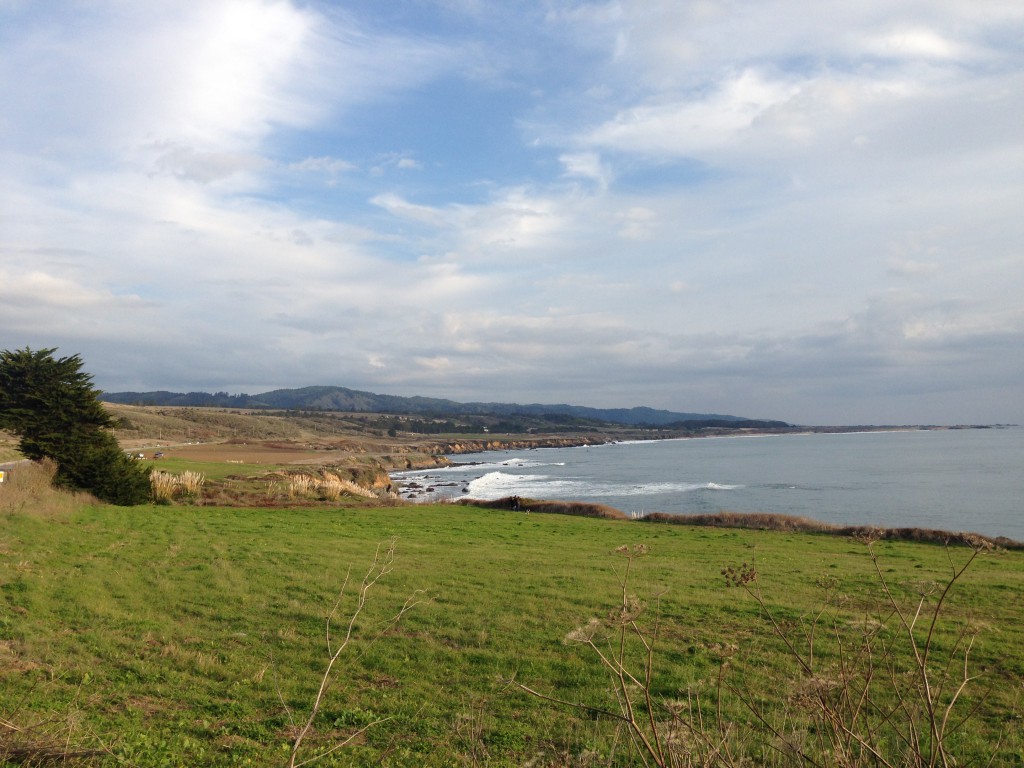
column 214, row 470
column 171, row 635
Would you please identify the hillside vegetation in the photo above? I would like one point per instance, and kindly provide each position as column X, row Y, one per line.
column 356, row 401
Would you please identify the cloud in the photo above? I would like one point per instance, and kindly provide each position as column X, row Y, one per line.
column 687, row 127
column 45, row 293
column 327, row 165
column 807, row 212
column 586, row 165
column 202, row 167
column 404, row 209
column 515, row 220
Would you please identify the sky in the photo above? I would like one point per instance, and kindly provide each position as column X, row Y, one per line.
column 807, row 211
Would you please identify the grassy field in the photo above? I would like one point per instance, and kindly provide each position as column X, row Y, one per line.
column 195, row 635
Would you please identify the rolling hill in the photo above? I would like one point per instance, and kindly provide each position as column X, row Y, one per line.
column 328, row 398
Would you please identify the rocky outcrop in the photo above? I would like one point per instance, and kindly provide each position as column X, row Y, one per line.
column 511, row 444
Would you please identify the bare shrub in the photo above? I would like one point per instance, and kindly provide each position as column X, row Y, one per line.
column 273, row 490
column 382, row 565
column 885, row 689
column 35, row 745
column 331, row 489
column 660, row 732
column 876, row 691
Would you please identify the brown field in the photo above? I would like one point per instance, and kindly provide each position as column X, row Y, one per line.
column 268, row 452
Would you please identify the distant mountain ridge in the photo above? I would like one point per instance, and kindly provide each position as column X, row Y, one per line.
column 324, row 398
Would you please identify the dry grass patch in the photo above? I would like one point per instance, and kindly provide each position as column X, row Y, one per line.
column 327, row 485
column 167, row 487
column 29, row 489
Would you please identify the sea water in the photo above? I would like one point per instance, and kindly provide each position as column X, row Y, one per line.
column 948, row 479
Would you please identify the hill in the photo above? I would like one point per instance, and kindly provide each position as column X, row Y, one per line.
column 325, row 398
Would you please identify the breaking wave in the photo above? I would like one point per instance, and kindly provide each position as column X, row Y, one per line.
column 495, row 484
column 513, row 463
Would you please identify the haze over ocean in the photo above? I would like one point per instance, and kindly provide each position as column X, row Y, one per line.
column 955, row 480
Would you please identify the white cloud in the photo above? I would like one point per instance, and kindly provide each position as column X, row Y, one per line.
column 586, row 165
column 202, row 167
column 328, row 165
column 916, row 43
column 404, row 209
column 774, row 208
column 44, row 292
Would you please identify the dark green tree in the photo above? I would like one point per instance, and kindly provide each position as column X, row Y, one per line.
column 51, row 405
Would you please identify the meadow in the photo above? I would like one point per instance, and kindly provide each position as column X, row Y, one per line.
column 185, row 635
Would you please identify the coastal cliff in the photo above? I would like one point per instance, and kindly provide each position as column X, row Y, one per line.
column 436, row 454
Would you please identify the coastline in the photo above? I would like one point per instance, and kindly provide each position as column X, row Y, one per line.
column 908, row 482
column 436, row 453
column 753, row 521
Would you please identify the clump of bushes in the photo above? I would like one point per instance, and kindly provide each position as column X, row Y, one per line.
column 765, row 521
column 575, row 508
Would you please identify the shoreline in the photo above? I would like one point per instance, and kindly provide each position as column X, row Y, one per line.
column 483, row 445
column 703, row 486
column 753, row 521
column 436, row 453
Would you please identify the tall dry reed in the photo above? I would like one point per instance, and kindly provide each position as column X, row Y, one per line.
column 330, row 487
column 166, row 487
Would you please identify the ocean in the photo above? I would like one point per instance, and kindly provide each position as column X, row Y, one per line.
column 949, row 479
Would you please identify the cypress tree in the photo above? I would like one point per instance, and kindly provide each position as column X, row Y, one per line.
column 51, row 405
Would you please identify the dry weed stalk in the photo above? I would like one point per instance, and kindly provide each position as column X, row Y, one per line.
column 45, row 741
column 877, row 691
column 871, row 695
column 664, row 734
column 470, row 728
column 382, row 565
